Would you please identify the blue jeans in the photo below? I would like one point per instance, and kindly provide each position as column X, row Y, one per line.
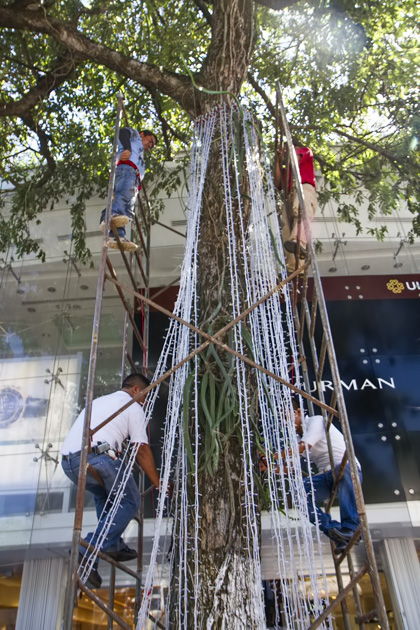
column 125, row 193
column 322, row 485
column 109, row 470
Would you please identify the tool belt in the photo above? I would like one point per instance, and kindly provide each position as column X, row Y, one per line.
column 130, row 163
column 102, row 448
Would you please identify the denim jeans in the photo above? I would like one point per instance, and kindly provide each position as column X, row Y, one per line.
column 125, row 193
column 322, row 485
column 109, row 470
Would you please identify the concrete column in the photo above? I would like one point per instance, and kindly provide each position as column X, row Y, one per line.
column 41, row 594
column 402, row 570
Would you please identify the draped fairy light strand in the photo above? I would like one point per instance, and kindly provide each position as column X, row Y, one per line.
column 254, row 264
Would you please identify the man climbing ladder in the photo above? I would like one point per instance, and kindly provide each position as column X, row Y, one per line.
column 106, row 471
column 293, row 229
column 129, row 174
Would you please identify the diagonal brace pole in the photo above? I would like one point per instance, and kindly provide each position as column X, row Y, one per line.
column 212, row 339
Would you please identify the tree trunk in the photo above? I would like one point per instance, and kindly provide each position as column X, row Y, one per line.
column 229, row 592
column 226, row 65
column 229, row 589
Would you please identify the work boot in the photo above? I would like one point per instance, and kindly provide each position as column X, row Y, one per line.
column 338, row 536
column 117, row 220
column 94, row 580
column 126, row 245
column 291, row 246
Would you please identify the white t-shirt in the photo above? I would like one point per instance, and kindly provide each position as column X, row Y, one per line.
column 314, row 435
column 130, row 423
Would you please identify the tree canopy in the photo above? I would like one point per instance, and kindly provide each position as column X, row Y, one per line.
column 348, row 72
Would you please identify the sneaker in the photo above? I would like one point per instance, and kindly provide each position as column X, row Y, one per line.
column 339, row 548
column 122, row 555
column 338, row 536
column 117, row 220
column 291, row 247
column 94, row 580
column 345, row 531
column 126, row 245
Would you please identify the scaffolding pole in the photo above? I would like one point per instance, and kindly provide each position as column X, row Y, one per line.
column 304, row 320
column 81, row 486
column 328, row 350
column 74, row 584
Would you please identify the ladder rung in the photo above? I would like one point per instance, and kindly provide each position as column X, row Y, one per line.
column 98, row 601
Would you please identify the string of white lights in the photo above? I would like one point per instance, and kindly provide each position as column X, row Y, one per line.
column 235, row 234
column 182, row 346
column 255, row 261
column 270, row 338
column 108, row 513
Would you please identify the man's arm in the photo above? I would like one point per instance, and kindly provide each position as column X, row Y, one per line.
column 278, row 183
column 282, row 456
column 302, row 448
column 125, row 139
column 146, row 461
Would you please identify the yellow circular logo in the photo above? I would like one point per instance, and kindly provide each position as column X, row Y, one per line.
column 395, row 286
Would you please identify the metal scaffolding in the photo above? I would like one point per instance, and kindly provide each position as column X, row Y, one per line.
column 320, row 359
column 136, row 262
column 317, row 355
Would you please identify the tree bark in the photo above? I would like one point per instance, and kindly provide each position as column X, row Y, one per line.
column 229, row 590
column 226, row 64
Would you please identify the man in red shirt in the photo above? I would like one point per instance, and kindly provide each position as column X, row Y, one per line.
column 291, row 224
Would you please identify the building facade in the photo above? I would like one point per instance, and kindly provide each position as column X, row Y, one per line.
column 373, row 294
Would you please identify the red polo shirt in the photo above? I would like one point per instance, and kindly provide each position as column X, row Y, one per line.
column 306, row 165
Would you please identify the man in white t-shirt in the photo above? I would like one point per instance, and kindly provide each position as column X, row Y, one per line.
column 319, row 487
column 104, row 467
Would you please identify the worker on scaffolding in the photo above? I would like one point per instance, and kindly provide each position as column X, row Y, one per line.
column 313, row 443
column 106, row 471
column 319, row 487
column 292, row 226
column 129, row 174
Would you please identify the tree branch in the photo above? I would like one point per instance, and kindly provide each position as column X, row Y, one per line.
column 176, row 86
column 370, row 145
column 263, row 95
column 361, row 141
column 22, row 63
column 62, row 69
column 276, row 5
column 166, row 127
column 25, row 4
column 204, row 10
column 44, row 147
